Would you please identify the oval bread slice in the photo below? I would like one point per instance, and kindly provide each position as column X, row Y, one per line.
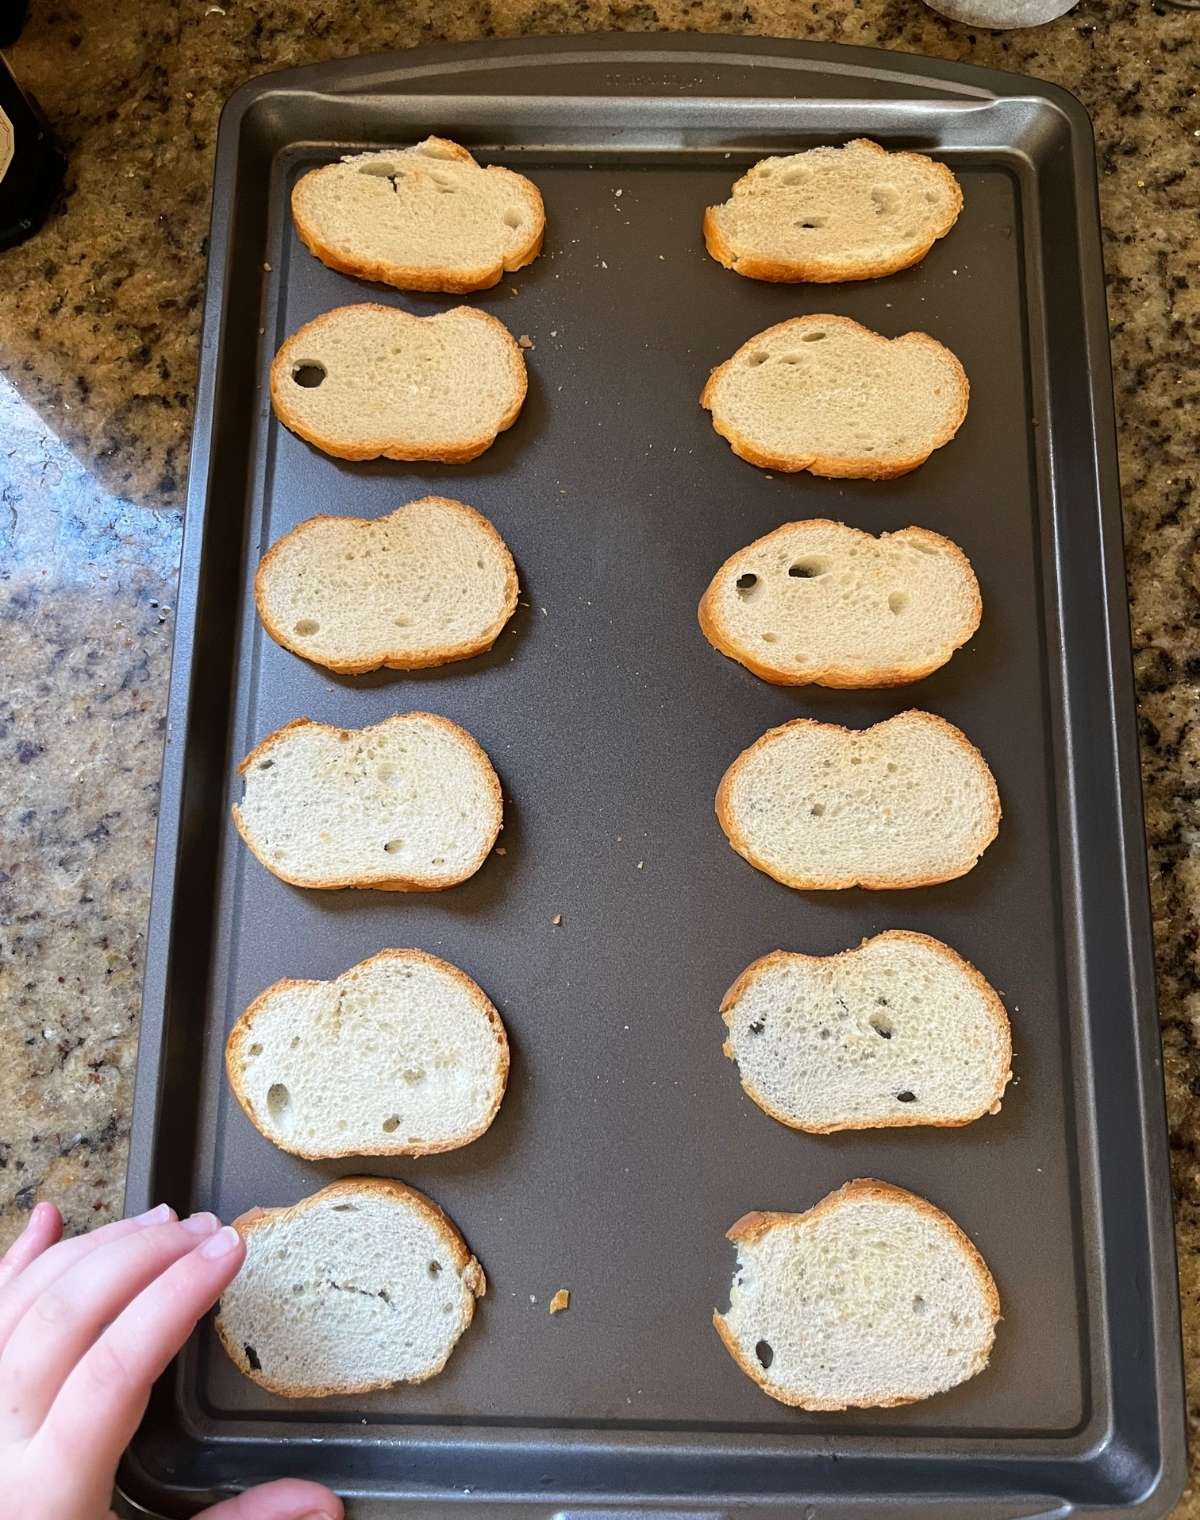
column 900, row 1031
column 370, row 382
column 402, row 1055
column 429, row 583
column 830, row 214
column 870, row 1299
column 824, row 394
column 361, row 1285
column 906, row 803
column 820, row 602
column 411, row 804
column 421, row 218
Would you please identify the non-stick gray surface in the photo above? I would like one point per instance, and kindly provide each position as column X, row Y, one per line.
column 625, row 1147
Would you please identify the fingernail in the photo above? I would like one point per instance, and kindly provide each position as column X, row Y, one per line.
column 225, row 1240
column 157, row 1215
column 200, row 1224
column 322, row 1514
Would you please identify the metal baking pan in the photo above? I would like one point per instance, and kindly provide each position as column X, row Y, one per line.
column 625, row 1147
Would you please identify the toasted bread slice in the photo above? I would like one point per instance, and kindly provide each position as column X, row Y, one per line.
column 429, row 583
column 824, row 394
column 370, row 382
column 872, row 1298
column 821, row 602
column 421, row 218
column 411, row 804
column 897, row 1032
column 831, row 214
column 906, row 803
column 361, row 1285
column 402, row 1055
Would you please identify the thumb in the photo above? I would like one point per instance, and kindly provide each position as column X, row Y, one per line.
column 288, row 1499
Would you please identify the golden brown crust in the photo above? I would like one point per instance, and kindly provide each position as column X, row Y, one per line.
column 243, row 1027
column 995, row 1008
column 409, row 277
column 827, row 271
column 396, row 448
column 752, row 1227
column 836, row 467
column 465, row 1264
column 396, row 883
column 838, row 883
column 446, row 653
column 839, row 676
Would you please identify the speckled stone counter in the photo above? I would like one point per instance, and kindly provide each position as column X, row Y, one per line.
column 99, row 321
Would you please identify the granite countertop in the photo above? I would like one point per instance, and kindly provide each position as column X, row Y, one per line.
column 99, row 323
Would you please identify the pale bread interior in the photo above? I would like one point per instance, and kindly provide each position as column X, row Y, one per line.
column 368, row 378
column 906, row 802
column 864, row 1300
column 820, row 601
column 412, row 799
column 836, row 213
column 362, row 1285
column 402, row 1054
column 429, row 211
column 898, row 1031
column 826, row 393
column 430, row 582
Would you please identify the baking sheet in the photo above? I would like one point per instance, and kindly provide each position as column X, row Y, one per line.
column 625, row 1147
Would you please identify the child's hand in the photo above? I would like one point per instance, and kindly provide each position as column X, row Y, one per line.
column 86, row 1325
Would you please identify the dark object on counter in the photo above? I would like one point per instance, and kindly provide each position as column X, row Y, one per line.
column 13, row 15
column 626, row 1148
column 31, row 165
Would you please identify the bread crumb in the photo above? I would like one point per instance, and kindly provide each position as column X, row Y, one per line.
column 562, row 1299
column 525, row 341
column 556, row 920
column 533, row 1298
column 501, row 850
column 618, row 192
column 266, row 266
column 641, row 863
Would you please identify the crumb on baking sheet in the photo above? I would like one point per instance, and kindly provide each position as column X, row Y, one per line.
column 560, row 1301
column 525, row 341
column 556, row 920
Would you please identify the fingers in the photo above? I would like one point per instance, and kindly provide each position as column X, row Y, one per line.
column 43, row 1228
column 116, row 1374
column 63, row 1321
column 289, row 1499
column 21, row 1290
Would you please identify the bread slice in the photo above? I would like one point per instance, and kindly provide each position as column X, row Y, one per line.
column 411, row 804
column 421, row 218
column 361, row 1285
column 906, row 803
column 370, row 382
column 870, row 1299
column 830, row 214
column 824, row 394
column 900, row 1031
column 820, row 602
column 402, row 1055
column 429, row 583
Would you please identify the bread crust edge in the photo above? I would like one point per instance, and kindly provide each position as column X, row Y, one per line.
column 841, row 883
column 829, row 466
column 828, row 271
column 995, row 1008
column 444, row 654
column 393, row 883
column 243, row 1026
column 403, row 449
column 430, row 278
column 469, row 1269
column 840, row 677
column 752, row 1226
